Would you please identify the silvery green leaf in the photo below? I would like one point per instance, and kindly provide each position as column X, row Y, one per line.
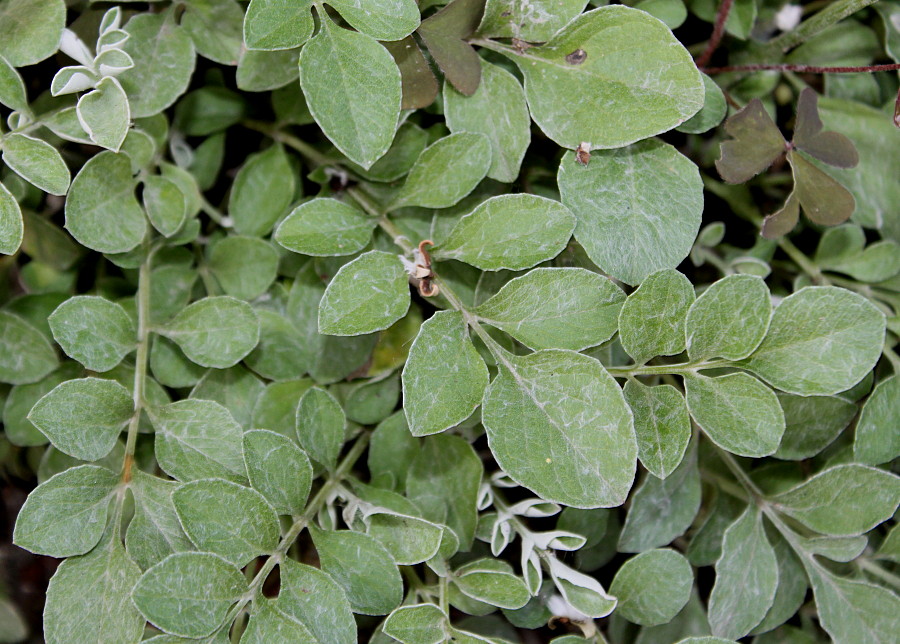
column 198, row 439
column 381, row 19
column 492, row 581
column 370, row 402
column 443, row 480
column 713, row 111
column 391, row 450
column 729, row 319
column 236, row 389
column 877, row 439
column 278, row 469
column 638, row 208
column 262, row 192
column 737, row 412
column 536, row 21
column 18, row 429
column 842, row 549
column 352, row 87
column 662, row 425
column 513, row 231
column 12, row 228
column 189, row 593
column 262, row 71
column 866, row 495
column 812, row 423
column 746, row 578
column 556, row 308
column 582, row 592
column 83, row 418
column 652, row 319
column 267, row 624
column 186, row 183
column 325, row 227
column 417, row 624
column 320, row 426
column 208, row 110
column 112, row 62
column 89, row 597
column 410, row 540
column 444, row 377
column 652, row 587
column 362, row 567
column 662, row 509
column 313, row 598
column 276, row 406
column 66, row 514
column 890, row 547
column 792, row 585
column 30, row 30
column 497, row 110
column 12, row 87
column 165, row 204
column 281, row 353
column 215, row 332
column 102, row 212
column 171, row 367
column 368, row 294
column 26, row 355
column 822, row 340
column 164, row 61
column 228, row 519
column 96, row 332
column 105, row 114
column 216, row 27
column 593, row 81
column 446, row 171
column 37, row 162
column 272, row 25
column 572, row 416
column 155, row 531
column 245, row 267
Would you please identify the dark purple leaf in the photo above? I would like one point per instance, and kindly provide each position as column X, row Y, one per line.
column 823, row 199
column 420, row 87
column 829, row 147
column 444, row 34
column 755, row 145
column 782, row 222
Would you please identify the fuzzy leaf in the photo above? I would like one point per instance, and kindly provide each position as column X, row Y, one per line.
column 96, row 332
column 37, row 162
column 324, row 228
column 215, row 332
column 245, row 267
column 320, row 426
column 536, row 21
column 381, row 19
column 105, row 114
column 652, row 587
column 314, row 599
column 278, row 469
column 165, row 204
column 662, row 425
column 26, row 355
column 30, row 30
column 652, row 319
column 12, row 228
column 877, row 439
column 729, row 319
column 155, row 531
column 276, row 25
column 262, row 192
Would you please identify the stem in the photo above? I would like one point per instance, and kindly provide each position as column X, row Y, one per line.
column 828, row 16
column 718, row 32
column 804, row 262
column 289, row 140
column 684, row 368
column 444, row 595
column 874, row 569
column 812, row 69
column 214, row 213
column 892, row 357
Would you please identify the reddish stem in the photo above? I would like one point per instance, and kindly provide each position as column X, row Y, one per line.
column 897, row 110
column 788, row 67
column 718, row 32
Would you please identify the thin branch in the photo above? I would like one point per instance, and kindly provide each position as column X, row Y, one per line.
column 718, row 32
column 812, row 69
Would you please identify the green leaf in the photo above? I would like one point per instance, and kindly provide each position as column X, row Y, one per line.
column 652, row 319
column 155, row 531
column 66, row 514
column 280, row 354
column 513, row 231
column 556, row 308
column 228, row 519
column 714, row 109
column 311, row 597
column 536, row 21
column 325, row 228
column 446, row 171
column 792, row 585
column 368, row 294
column 492, row 581
column 189, row 593
column 12, row 87
column 171, row 367
column 417, row 624
column 582, row 592
column 278, row 469
column 444, row 377
column 245, row 267
column 83, row 418
column 662, row 425
column 105, row 114
column 737, row 412
column 96, row 332
column 209, row 110
column 30, row 30
column 12, row 228
column 37, row 162
column 215, row 332
column 320, row 426
column 18, row 429
column 877, row 439
column 812, row 423
column 89, row 597
column 261, row 71
column 866, row 495
column 497, row 110
column 391, row 451
column 824, row 200
column 573, row 417
column 26, row 355
column 445, row 33
column 652, row 587
column 272, row 25
column 821, row 340
column 410, row 540
column 262, row 192
column 746, row 578
column 638, row 208
column 165, row 204
column 755, row 145
column 613, row 76
column 381, row 19
column 198, row 439
column 102, row 212
column 352, row 87
column 362, row 567
column 215, row 27
column 729, row 319
column 268, row 624
column 164, row 60
column 236, row 389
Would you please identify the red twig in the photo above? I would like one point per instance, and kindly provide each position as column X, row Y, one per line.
column 813, row 69
column 718, row 32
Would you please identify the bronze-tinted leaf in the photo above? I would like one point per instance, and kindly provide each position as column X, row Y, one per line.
column 829, row 147
column 823, row 199
column 756, row 144
column 420, row 87
column 782, row 222
column 444, row 34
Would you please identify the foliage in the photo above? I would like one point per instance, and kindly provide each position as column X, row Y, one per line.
column 247, row 427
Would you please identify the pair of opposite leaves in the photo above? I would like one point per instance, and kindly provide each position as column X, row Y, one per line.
column 758, row 142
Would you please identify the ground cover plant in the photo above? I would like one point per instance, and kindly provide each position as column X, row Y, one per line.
column 481, row 321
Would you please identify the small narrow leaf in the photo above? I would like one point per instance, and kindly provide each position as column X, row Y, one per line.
column 96, row 332
column 12, row 228
column 12, row 87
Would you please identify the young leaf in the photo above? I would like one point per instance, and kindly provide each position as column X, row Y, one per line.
column 652, row 319
column 273, row 25
column 352, row 87
column 445, row 34
column 417, row 624
column 513, row 231
column 662, row 426
column 165, row 204
column 492, row 581
column 105, row 114
column 537, row 21
column 652, row 587
column 262, row 191
column 96, row 332
column 37, row 162
column 189, row 593
column 245, row 267
column 877, row 439
column 215, row 332
column 756, row 143
column 320, row 426
column 368, row 294
column 314, row 599
column 582, row 592
column 12, row 228
column 26, row 355
column 278, row 469
column 381, row 19
column 325, row 228
column 444, row 377
column 155, row 531
column 556, row 308
column 638, row 208
column 729, row 319
column 572, row 417
column 30, row 30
